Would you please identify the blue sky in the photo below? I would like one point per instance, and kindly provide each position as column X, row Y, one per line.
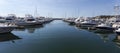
column 57, row 8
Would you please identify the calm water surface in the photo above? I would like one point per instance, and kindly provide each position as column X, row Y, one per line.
column 58, row 37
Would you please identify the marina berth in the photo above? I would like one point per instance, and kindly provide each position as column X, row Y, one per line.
column 59, row 26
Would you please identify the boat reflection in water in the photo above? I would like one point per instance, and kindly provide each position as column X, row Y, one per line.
column 117, row 40
column 80, row 28
column 30, row 29
column 104, row 36
column 8, row 37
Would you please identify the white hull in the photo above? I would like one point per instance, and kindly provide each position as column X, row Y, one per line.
column 22, row 23
column 38, row 23
column 27, row 23
column 116, row 25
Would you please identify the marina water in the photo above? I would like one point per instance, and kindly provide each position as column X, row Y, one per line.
column 57, row 37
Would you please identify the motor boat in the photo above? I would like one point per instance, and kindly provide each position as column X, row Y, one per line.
column 104, row 27
column 7, row 28
column 27, row 20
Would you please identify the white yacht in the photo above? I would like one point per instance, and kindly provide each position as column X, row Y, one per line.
column 2, row 19
column 6, row 28
column 105, row 26
column 78, row 20
column 27, row 20
column 86, row 22
column 115, row 22
column 116, row 25
column 41, row 19
column 70, row 20
column 10, row 18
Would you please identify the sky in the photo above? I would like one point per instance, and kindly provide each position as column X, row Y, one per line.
column 58, row 8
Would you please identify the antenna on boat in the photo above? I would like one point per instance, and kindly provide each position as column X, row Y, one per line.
column 65, row 16
column 36, row 12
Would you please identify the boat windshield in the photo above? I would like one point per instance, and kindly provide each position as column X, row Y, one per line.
column 30, row 19
column 8, row 19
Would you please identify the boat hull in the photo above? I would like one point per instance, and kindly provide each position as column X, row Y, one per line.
column 6, row 29
column 24, row 24
column 86, row 25
column 105, row 28
column 38, row 23
column 118, row 33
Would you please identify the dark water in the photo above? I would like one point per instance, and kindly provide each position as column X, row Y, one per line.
column 58, row 37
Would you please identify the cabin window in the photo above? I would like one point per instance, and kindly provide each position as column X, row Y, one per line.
column 8, row 19
column 31, row 20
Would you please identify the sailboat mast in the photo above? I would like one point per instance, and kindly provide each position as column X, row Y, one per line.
column 117, row 9
column 36, row 12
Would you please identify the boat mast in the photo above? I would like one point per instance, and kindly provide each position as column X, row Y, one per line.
column 117, row 9
column 65, row 16
column 36, row 12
